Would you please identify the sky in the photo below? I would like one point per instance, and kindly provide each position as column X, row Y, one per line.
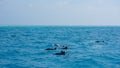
column 60, row 12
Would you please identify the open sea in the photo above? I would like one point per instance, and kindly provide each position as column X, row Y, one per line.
column 88, row 47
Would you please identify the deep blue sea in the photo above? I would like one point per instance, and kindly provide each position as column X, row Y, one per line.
column 88, row 47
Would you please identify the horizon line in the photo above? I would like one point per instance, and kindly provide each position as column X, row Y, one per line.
column 61, row 25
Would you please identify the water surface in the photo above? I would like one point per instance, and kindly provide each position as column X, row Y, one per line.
column 24, row 47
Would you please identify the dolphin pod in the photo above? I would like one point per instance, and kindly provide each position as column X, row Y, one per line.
column 61, row 47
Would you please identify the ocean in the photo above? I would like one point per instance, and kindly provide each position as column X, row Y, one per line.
column 87, row 47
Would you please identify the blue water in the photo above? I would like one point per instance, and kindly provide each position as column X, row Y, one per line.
column 24, row 47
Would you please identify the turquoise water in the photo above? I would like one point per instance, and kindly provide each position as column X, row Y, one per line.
column 24, row 47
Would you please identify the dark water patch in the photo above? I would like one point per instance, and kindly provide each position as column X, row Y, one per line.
column 13, row 35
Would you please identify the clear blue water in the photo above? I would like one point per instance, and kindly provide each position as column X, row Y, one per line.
column 24, row 47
